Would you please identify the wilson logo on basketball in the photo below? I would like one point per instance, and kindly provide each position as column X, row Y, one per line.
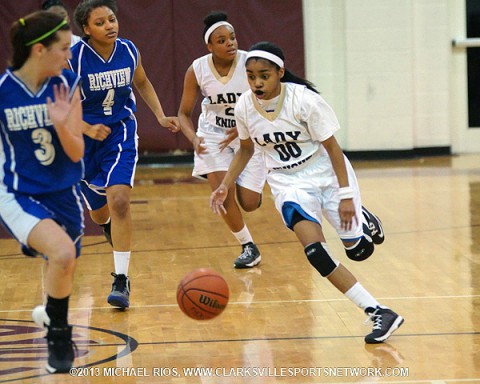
column 213, row 303
column 202, row 294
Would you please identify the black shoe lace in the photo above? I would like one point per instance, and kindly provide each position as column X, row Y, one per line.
column 120, row 282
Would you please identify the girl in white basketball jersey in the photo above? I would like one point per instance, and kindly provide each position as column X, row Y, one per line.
column 220, row 77
column 58, row 7
column 310, row 177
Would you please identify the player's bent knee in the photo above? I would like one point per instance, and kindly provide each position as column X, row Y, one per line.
column 64, row 259
column 119, row 206
column 319, row 257
column 361, row 251
column 250, row 204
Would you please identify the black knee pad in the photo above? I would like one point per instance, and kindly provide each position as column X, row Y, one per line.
column 362, row 251
column 321, row 260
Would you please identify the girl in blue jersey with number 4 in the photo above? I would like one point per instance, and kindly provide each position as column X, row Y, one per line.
column 109, row 67
column 41, row 150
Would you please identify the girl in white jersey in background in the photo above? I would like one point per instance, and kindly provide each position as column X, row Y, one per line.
column 289, row 121
column 58, row 7
column 220, row 77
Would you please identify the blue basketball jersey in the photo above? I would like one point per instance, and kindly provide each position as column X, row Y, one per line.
column 32, row 159
column 107, row 95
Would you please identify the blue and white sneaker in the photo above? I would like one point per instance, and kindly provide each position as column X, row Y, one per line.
column 120, row 295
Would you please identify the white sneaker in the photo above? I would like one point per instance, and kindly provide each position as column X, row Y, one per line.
column 40, row 317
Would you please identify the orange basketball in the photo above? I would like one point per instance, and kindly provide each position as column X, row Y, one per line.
column 202, row 294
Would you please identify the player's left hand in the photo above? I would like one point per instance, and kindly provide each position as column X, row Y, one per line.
column 60, row 108
column 171, row 123
column 232, row 134
column 346, row 210
column 217, row 198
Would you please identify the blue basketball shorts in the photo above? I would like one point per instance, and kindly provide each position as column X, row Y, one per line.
column 110, row 162
column 19, row 213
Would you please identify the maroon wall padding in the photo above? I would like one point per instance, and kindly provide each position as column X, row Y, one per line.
column 168, row 34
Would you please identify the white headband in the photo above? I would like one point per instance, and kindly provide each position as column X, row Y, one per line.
column 215, row 26
column 266, row 55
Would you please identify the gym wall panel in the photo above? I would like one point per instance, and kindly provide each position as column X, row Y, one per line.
column 168, row 34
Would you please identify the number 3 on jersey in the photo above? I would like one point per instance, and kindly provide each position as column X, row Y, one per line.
column 108, row 102
column 46, row 153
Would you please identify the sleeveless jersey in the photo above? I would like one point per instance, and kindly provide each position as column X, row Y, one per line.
column 107, row 94
column 291, row 134
column 220, row 93
column 32, row 160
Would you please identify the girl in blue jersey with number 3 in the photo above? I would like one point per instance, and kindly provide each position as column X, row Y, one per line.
column 109, row 67
column 41, row 150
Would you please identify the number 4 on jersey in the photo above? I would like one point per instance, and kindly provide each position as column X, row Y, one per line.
column 108, row 102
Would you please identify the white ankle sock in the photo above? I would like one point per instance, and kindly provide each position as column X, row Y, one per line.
column 361, row 297
column 121, row 261
column 243, row 236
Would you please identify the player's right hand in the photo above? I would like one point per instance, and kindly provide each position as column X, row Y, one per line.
column 231, row 134
column 199, row 145
column 97, row 131
column 217, row 198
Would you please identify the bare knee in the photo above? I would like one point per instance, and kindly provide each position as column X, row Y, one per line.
column 63, row 259
column 249, row 206
column 119, row 205
column 249, row 201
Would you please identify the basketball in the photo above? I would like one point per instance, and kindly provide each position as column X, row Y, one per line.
column 202, row 294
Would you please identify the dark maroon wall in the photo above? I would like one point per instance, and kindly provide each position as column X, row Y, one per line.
column 168, row 34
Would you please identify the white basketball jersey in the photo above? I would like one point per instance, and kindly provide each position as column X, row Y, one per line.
column 292, row 133
column 220, row 93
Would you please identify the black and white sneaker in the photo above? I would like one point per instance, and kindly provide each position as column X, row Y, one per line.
column 375, row 226
column 385, row 322
column 249, row 257
column 107, row 232
column 60, row 349
column 120, row 295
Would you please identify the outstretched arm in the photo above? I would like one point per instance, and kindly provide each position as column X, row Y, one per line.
column 236, row 167
column 148, row 94
column 66, row 116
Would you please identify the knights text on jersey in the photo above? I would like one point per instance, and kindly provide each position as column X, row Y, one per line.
column 292, row 133
column 32, row 159
column 107, row 94
column 220, row 93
